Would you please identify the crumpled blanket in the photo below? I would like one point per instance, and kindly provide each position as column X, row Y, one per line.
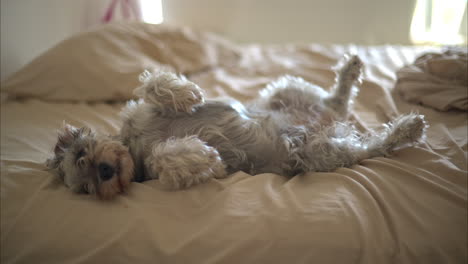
column 437, row 80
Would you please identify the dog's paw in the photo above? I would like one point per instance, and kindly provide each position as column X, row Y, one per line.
column 169, row 91
column 416, row 126
column 351, row 71
column 184, row 162
column 410, row 128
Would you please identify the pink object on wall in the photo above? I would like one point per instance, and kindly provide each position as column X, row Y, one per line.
column 130, row 10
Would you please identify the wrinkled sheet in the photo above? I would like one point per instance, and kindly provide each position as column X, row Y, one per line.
column 408, row 208
column 438, row 80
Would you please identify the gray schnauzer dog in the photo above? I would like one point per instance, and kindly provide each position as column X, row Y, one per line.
column 173, row 134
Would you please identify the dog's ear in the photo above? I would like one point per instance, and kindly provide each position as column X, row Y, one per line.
column 52, row 163
column 66, row 136
column 64, row 140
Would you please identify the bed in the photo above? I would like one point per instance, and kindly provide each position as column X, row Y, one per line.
column 407, row 208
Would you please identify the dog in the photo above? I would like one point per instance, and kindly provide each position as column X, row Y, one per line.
column 173, row 134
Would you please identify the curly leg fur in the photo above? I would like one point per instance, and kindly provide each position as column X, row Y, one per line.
column 406, row 129
column 343, row 146
column 290, row 92
column 169, row 93
column 184, row 162
column 293, row 94
column 340, row 100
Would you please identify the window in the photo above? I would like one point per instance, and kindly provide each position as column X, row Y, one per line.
column 440, row 22
column 151, row 11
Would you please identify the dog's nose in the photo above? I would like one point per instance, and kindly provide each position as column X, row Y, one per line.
column 105, row 171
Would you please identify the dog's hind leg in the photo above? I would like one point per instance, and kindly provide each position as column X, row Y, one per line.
column 341, row 97
column 343, row 146
column 290, row 93
column 169, row 93
column 183, row 162
column 405, row 129
column 295, row 93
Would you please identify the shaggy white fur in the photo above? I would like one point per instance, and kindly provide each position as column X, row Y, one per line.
column 198, row 159
column 173, row 134
column 169, row 92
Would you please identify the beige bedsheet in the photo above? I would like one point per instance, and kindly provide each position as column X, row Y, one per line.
column 408, row 208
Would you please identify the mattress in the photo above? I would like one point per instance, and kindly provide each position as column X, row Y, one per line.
column 410, row 207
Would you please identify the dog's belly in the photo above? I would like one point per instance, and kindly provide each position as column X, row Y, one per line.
column 250, row 141
column 245, row 141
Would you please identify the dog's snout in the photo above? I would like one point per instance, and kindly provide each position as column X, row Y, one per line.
column 105, row 171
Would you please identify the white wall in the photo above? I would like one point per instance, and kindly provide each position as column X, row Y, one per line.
column 29, row 27
column 323, row 21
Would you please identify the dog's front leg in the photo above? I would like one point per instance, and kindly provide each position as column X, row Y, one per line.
column 183, row 162
column 169, row 93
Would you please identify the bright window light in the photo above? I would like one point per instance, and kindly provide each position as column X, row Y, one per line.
column 151, row 11
column 438, row 22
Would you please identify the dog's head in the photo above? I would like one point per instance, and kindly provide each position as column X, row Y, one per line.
column 91, row 164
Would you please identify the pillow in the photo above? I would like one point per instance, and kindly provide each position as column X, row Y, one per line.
column 104, row 64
